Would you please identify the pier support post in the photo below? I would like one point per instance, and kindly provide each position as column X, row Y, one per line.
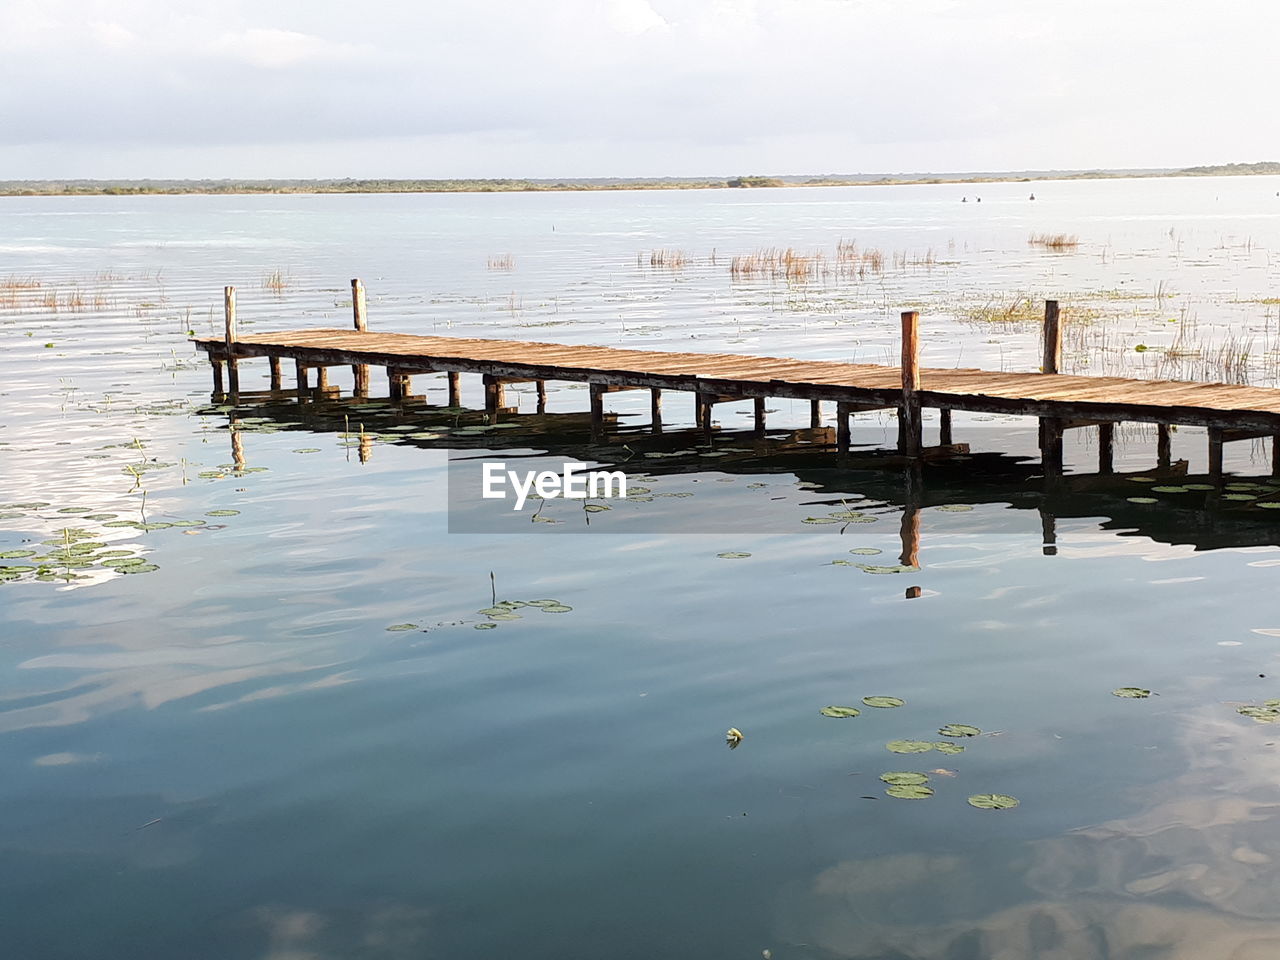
column 1048, row 533
column 275, row 373
column 237, row 444
column 1215, row 452
column 359, row 372
column 910, row 440
column 1051, row 445
column 704, row 414
column 1052, row 362
column 944, row 426
column 542, row 396
column 655, row 410
column 1106, row 447
column 759, row 416
column 322, row 378
column 842, row 428
column 1164, row 446
column 597, row 409
column 218, row 390
column 815, row 414
column 300, row 370
column 455, row 388
column 1275, row 455
column 229, row 313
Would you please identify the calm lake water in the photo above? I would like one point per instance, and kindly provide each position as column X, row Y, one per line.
column 251, row 706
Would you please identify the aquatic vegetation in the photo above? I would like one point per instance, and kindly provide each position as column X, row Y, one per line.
column 883, row 702
column 909, row 791
column 1054, row 241
column 840, row 713
column 1131, row 693
column 993, row 801
column 909, row 746
column 958, row 730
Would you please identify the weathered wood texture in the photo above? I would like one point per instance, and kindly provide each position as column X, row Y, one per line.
column 729, row 375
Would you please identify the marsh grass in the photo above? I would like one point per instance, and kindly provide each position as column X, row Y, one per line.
column 671, row 259
column 501, row 261
column 276, row 282
column 1057, row 242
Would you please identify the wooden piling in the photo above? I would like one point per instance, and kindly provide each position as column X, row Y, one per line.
column 218, row 388
column 910, row 535
column 1048, row 533
column 1215, row 451
column 842, row 428
column 542, row 396
column 359, row 372
column 597, row 408
column 759, row 416
column 909, row 412
column 229, row 313
column 300, row 371
column 655, row 410
column 1275, row 455
column 1164, row 447
column 1051, row 445
column 455, row 388
column 1106, row 447
column 322, row 378
column 1052, row 362
column 815, row 414
column 275, row 372
column 944, row 426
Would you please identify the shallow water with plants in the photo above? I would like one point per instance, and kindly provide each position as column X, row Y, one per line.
column 258, row 701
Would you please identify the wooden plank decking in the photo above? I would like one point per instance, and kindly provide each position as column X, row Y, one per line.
column 1225, row 406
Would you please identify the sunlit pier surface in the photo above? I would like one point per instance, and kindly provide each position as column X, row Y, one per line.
column 1060, row 402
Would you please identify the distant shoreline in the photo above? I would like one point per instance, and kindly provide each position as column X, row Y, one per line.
column 147, row 187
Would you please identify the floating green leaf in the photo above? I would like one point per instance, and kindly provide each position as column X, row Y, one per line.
column 946, row 746
column 903, row 778
column 401, row 627
column 1131, row 693
column 1142, row 499
column 1199, row 486
column 908, row 746
column 866, row 551
column 733, row 555
column 16, row 554
column 840, row 712
column 909, row 792
column 958, row 730
column 993, row 801
column 954, row 508
column 1169, row 489
column 486, row 626
column 222, row 513
column 883, row 701
column 1263, row 714
column 898, row 568
column 140, row 568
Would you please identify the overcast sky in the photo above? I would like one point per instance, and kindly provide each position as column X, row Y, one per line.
column 471, row 88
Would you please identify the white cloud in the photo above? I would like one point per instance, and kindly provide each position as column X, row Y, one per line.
column 279, row 49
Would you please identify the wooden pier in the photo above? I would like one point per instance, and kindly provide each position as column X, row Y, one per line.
column 1061, row 402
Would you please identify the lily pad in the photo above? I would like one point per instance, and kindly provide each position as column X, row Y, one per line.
column 958, row 730
column 909, row 791
column 954, row 508
column 556, row 608
column 866, row 551
column 140, row 568
column 1142, row 499
column 1199, row 486
column 840, row 713
column 733, row 555
column 883, row 701
column 1169, row 489
column 1262, row 714
column 486, row 626
column 16, row 554
column 819, row 520
column 1269, row 505
column 903, row 778
column 1131, row 693
column 908, row 746
column 946, row 746
column 993, row 801
column 401, row 627
column 897, row 568
column 222, row 513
